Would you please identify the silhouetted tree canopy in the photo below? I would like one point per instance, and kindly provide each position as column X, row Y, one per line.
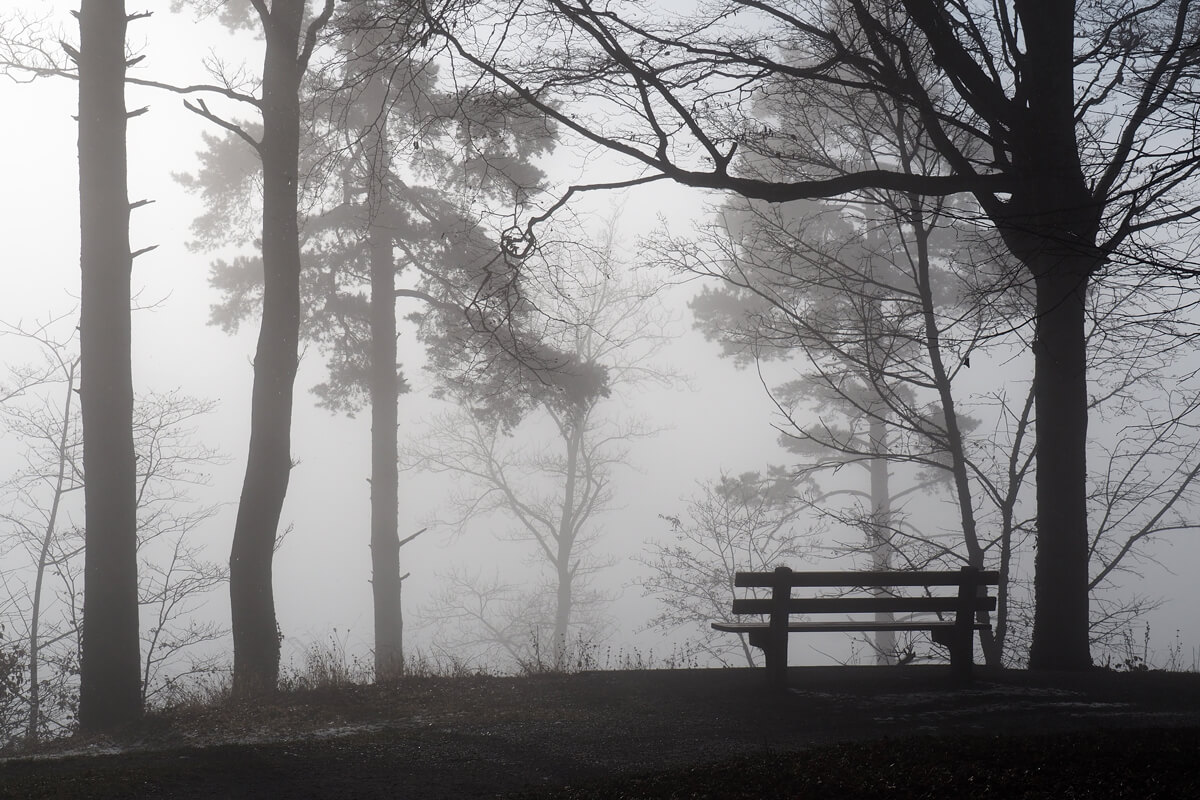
column 1069, row 123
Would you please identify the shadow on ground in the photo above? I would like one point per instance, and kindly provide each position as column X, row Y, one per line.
column 907, row 732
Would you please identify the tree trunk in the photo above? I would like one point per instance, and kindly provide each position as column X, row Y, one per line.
column 1016, row 472
column 252, row 601
column 385, row 394
column 1060, row 623
column 35, row 611
column 992, row 639
column 880, row 536
column 562, row 611
column 384, row 382
column 109, row 691
column 565, row 573
column 1051, row 224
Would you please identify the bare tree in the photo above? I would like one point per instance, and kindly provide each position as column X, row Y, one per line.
column 486, row 618
column 40, row 518
column 1145, row 464
column 748, row 522
column 888, row 345
column 176, row 581
column 394, row 171
column 53, row 464
column 877, row 301
column 555, row 493
column 175, row 577
column 1069, row 126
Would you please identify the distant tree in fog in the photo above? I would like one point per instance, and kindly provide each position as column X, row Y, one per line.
column 1070, row 124
column 33, row 499
column 873, row 302
column 881, row 298
column 43, row 541
column 394, row 172
column 540, row 456
column 492, row 617
column 885, row 298
column 405, row 207
column 751, row 522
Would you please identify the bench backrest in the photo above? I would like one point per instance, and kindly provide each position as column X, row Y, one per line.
column 968, row 580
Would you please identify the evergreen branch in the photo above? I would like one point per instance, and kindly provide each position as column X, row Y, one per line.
column 224, row 91
column 201, row 108
column 430, row 299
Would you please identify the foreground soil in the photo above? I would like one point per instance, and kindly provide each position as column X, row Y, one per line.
column 837, row 732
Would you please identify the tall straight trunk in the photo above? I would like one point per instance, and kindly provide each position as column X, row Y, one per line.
column 880, row 536
column 252, row 601
column 385, row 394
column 562, row 614
column 385, row 385
column 564, row 572
column 1061, row 621
column 109, row 691
column 1051, row 225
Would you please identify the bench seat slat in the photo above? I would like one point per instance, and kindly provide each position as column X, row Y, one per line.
column 860, row 605
column 844, row 626
column 864, row 579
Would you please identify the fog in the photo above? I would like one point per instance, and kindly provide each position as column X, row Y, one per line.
column 716, row 420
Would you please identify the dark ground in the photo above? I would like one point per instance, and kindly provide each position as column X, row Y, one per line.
column 838, row 732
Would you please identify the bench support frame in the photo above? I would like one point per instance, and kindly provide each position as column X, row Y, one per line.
column 957, row 636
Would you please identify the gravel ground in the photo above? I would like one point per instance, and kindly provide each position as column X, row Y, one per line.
column 689, row 733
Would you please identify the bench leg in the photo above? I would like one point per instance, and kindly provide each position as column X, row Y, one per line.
column 960, row 643
column 776, row 667
column 961, row 655
column 774, row 658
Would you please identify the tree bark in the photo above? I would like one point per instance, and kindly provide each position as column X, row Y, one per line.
column 1051, row 224
column 880, row 536
column 992, row 640
column 268, row 465
column 564, row 572
column 385, row 384
column 109, row 691
column 35, row 612
column 385, row 394
column 562, row 615
column 1061, row 621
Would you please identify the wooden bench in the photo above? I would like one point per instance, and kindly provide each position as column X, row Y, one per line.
column 954, row 625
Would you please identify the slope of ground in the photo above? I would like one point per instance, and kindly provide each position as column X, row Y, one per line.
column 692, row 733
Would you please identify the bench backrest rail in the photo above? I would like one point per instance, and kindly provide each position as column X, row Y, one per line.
column 970, row 599
column 863, row 580
column 864, row 605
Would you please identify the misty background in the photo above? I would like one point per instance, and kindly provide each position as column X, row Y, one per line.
column 719, row 422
